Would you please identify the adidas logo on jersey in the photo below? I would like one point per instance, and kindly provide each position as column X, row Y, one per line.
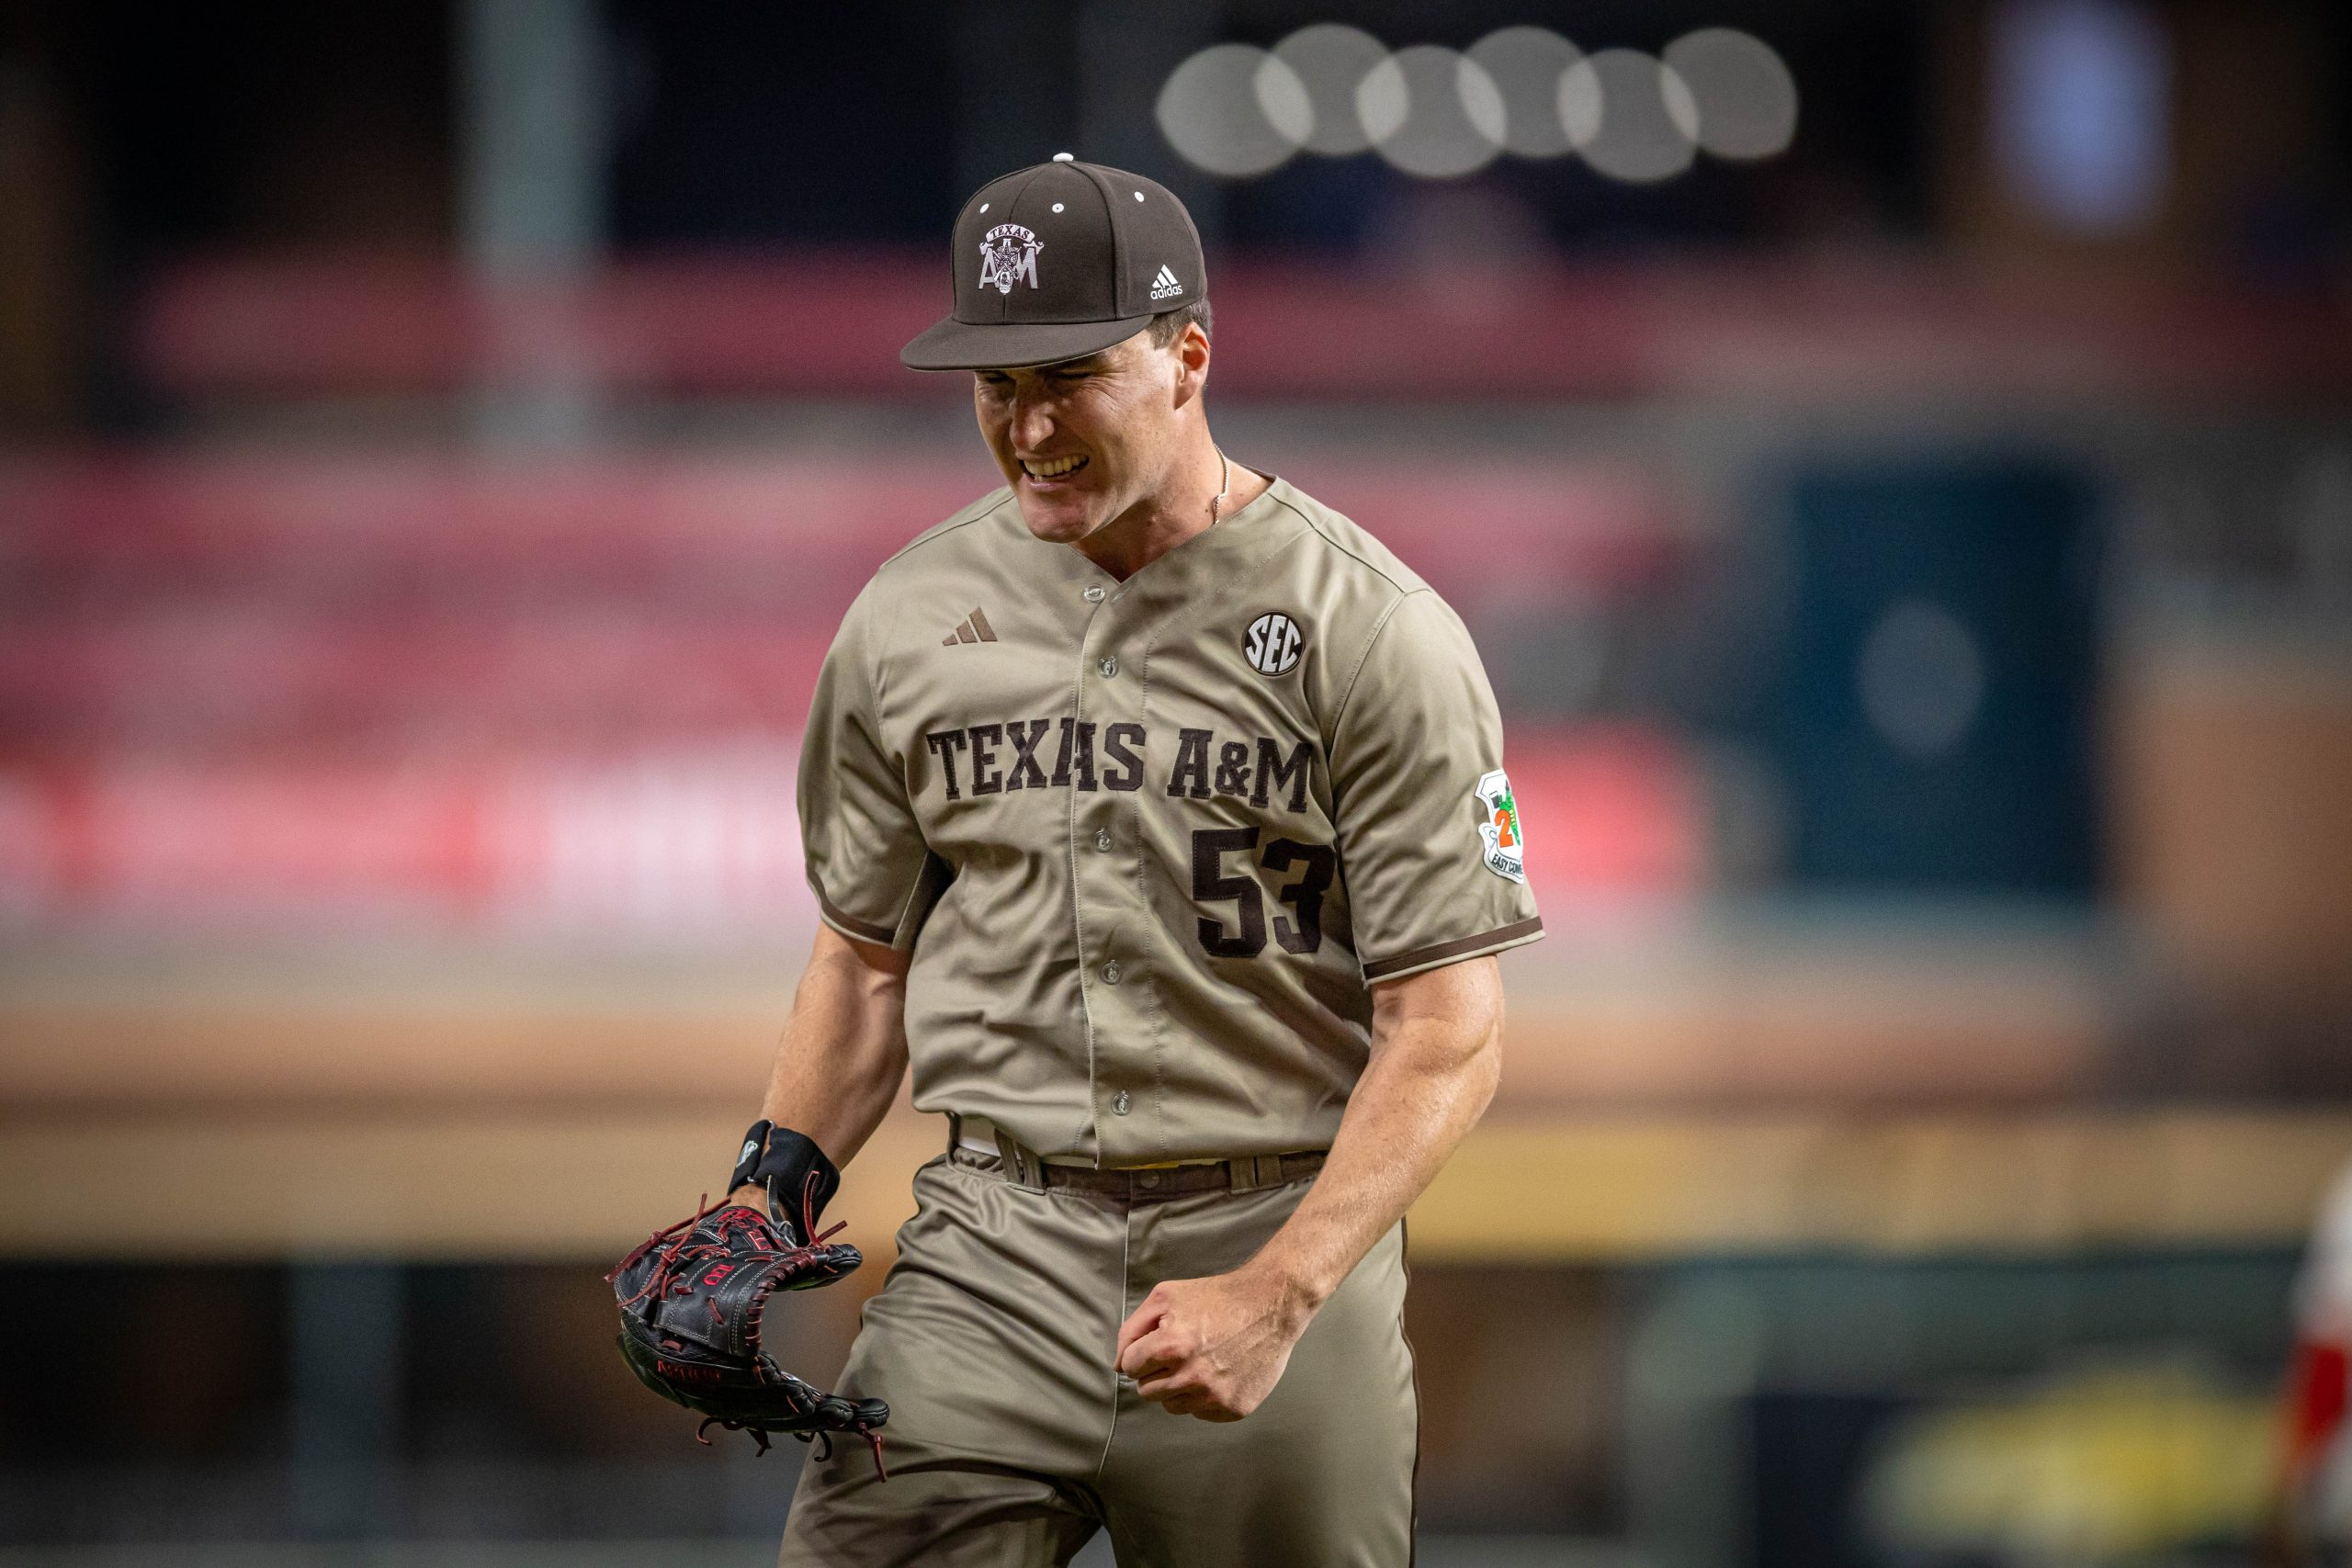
column 973, row 627
column 1165, row 285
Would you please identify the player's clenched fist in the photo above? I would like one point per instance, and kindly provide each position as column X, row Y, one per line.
column 1212, row 1347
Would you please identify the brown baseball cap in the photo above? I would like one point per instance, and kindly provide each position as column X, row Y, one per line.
column 1058, row 261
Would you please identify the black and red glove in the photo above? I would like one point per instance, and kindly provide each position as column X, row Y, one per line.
column 693, row 1297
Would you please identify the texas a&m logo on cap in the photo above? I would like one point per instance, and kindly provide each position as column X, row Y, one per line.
column 1009, row 256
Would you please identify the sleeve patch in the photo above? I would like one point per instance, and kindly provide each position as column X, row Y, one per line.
column 1501, row 845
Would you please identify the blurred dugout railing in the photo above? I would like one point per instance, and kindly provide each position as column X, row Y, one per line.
column 1453, row 327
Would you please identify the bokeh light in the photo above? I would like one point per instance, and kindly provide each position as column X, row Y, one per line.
column 1431, row 112
column 1332, row 60
column 1336, row 90
column 1234, row 111
column 1629, row 115
column 1526, row 63
column 1747, row 99
column 2080, row 111
column 1921, row 678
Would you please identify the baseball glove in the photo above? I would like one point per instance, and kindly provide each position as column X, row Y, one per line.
column 692, row 1298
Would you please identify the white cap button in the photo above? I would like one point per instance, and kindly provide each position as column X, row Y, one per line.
column 1094, row 593
column 1119, row 1103
column 1110, row 665
column 1103, row 840
column 1063, row 158
column 1111, row 973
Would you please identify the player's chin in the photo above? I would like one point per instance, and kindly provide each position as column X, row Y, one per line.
column 1059, row 515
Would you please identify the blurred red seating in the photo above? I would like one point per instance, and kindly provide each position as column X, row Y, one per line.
column 213, row 605
column 324, row 691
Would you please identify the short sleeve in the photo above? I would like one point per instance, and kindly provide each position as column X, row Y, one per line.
column 1429, row 829
column 875, row 877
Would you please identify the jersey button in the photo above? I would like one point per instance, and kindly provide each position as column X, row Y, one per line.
column 1111, row 973
column 1103, row 840
column 1119, row 1103
column 1110, row 666
column 1094, row 593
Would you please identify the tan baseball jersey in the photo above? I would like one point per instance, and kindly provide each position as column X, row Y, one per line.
column 1149, row 842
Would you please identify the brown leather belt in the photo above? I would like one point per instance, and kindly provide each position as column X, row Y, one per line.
column 1023, row 1167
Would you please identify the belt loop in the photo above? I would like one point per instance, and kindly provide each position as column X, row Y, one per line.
column 954, row 1134
column 1025, row 1169
column 1243, row 1173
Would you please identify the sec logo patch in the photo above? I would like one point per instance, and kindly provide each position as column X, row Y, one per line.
column 1273, row 643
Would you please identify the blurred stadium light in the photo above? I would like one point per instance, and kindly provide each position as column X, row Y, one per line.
column 1629, row 115
column 1742, row 97
column 1431, row 112
column 1526, row 65
column 2081, row 90
column 1235, row 110
column 1332, row 61
column 1333, row 89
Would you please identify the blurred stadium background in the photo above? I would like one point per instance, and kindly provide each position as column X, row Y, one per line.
column 1895, row 460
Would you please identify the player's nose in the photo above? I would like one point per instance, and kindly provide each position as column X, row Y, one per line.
column 1032, row 425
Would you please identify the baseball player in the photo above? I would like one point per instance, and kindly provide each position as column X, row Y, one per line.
column 1156, row 814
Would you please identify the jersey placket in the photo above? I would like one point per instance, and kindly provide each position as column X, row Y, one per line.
column 1112, row 927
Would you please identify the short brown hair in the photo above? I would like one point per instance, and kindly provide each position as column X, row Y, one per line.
column 1169, row 325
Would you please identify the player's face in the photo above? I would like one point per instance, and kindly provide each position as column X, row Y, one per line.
column 1084, row 441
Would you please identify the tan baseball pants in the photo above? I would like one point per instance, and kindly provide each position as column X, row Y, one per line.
column 1012, row 1439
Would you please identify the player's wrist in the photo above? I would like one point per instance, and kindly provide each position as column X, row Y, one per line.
column 1297, row 1294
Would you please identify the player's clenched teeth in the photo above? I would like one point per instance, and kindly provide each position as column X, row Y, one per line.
column 1051, row 468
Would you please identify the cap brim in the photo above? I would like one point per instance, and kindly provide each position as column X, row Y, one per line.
column 951, row 344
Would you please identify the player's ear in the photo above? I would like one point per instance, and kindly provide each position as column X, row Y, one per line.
column 1191, row 351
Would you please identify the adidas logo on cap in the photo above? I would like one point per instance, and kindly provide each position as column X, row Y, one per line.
column 1165, row 285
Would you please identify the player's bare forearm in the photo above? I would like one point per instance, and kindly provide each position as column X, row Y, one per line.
column 1436, row 1059
column 1214, row 1347
column 844, row 1047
